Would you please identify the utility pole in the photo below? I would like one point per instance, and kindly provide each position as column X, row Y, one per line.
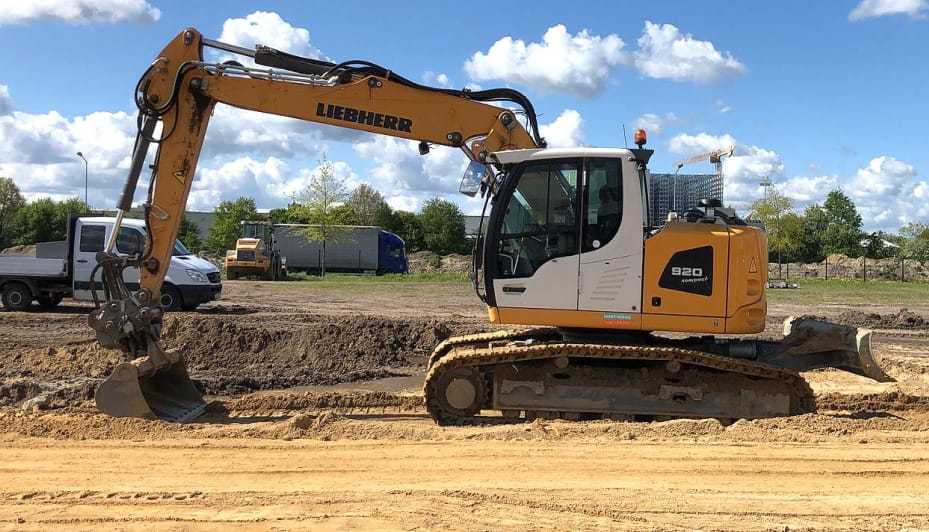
column 767, row 184
column 86, row 204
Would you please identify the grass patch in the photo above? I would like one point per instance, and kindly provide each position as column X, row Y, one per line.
column 853, row 292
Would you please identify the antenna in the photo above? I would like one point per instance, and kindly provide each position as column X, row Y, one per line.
column 625, row 140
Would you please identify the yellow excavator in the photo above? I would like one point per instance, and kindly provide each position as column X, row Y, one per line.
column 628, row 319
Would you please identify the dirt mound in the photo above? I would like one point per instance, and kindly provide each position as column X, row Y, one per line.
column 28, row 250
column 234, row 355
column 903, row 319
column 342, row 401
column 427, row 262
column 893, row 401
column 230, row 354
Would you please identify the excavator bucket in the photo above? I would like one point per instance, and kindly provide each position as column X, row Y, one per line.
column 167, row 394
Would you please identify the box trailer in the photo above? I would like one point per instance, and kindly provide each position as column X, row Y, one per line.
column 349, row 248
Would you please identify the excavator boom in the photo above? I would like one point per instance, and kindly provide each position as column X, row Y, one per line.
column 178, row 92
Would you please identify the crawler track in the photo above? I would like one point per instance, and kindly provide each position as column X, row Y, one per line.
column 477, row 358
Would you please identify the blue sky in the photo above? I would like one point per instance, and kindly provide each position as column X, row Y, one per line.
column 817, row 95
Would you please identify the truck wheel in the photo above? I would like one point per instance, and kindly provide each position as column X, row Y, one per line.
column 171, row 298
column 49, row 301
column 232, row 275
column 17, row 297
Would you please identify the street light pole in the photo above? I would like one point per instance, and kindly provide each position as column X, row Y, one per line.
column 86, row 204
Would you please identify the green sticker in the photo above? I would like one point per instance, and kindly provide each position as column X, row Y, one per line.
column 617, row 316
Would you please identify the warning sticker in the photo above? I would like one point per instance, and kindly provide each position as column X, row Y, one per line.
column 753, row 266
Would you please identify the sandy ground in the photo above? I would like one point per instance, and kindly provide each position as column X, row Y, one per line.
column 317, row 423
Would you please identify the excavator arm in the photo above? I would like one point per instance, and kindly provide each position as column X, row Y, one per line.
column 178, row 92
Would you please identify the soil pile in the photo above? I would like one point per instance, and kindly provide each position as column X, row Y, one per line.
column 429, row 262
column 844, row 267
column 237, row 354
column 904, row 319
column 28, row 250
column 230, row 354
column 901, row 320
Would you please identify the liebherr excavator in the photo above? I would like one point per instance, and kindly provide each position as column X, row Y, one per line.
column 565, row 246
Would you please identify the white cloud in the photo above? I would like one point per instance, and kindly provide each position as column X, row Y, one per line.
column 436, row 80
column 579, row 63
column 6, row 103
column 752, row 162
column 399, row 169
column 687, row 145
column 889, row 193
column 272, row 182
column 39, row 151
column 804, row 190
column 77, row 11
column 880, row 8
column 238, row 131
column 654, row 123
column 269, row 29
column 883, row 175
column 722, row 106
column 665, row 53
column 566, row 131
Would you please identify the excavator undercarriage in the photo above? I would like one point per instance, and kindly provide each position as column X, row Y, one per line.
column 552, row 373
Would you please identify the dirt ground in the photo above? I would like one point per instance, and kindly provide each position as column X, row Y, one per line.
column 317, row 422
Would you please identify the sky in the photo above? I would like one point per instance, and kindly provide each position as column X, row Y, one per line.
column 815, row 95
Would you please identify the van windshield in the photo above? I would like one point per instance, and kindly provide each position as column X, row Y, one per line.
column 179, row 250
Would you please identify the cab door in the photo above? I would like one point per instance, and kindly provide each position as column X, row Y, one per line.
column 610, row 278
column 535, row 244
column 89, row 239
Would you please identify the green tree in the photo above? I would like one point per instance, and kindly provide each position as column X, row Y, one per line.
column 407, row 226
column 366, row 203
column 45, row 220
column 771, row 211
column 11, row 201
column 443, row 227
column 226, row 225
column 791, row 236
column 324, row 204
column 189, row 235
column 915, row 241
column 815, row 222
column 843, row 232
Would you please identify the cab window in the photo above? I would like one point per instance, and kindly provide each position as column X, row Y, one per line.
column 92, row 237
column 130, row 241
column 540, row 220
column 604, row 212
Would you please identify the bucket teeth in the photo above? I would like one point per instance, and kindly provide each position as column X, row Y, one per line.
column 167, row 394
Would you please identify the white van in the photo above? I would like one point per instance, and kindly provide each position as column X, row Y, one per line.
column 61, row 269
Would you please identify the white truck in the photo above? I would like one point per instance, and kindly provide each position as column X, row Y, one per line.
column 61, row 269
